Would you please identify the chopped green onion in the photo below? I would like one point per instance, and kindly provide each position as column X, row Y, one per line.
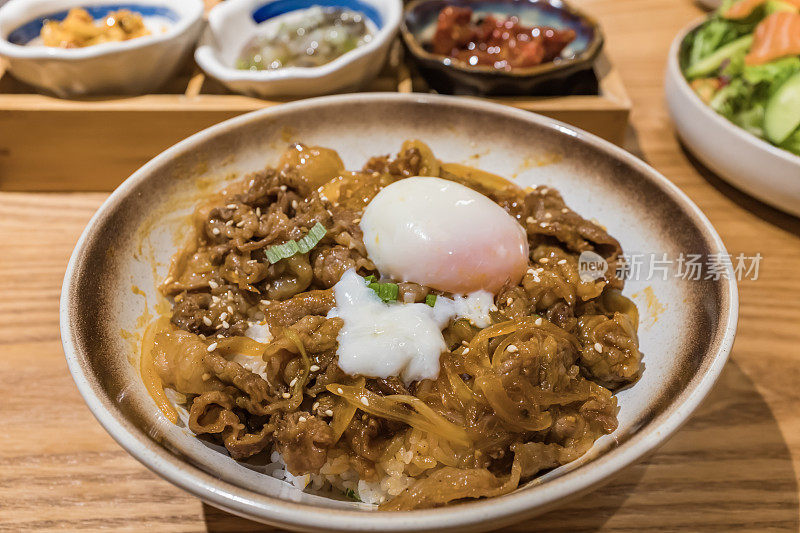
column 369, row 279
column 430, row 300
column 290, row 248
column 386, row 291
column 350, row 493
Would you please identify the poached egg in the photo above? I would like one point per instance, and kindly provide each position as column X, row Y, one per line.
column 443, row 235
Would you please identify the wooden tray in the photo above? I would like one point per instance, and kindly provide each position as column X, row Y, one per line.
column 89, row 144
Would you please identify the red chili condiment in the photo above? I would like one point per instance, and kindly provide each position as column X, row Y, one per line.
column 502, row 44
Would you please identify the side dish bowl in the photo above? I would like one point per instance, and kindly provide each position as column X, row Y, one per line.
column 233, row 23
column 760, row 169
column 109, row 289
column 129, row 67
column 449, row 76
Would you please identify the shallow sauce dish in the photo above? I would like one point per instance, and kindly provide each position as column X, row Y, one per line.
column 762, row 170
column 450, row 76
column 129, row 67
column 232, row 24
column 686, row 333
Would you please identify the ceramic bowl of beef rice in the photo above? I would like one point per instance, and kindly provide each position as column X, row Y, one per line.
column 421, row 320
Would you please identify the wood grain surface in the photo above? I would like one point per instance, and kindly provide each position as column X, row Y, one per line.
column 732, row 467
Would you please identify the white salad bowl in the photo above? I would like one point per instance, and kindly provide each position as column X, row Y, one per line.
column 686, row 332
column 135, row 66
column 232, row 24
column 753, row 165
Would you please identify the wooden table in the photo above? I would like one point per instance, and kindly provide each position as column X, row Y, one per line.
column 732, row 467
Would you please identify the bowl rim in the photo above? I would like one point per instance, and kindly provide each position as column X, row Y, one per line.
column 674, row 70
column 207, row 59
column 587, row 56
column 188, row 17
column 499, row 510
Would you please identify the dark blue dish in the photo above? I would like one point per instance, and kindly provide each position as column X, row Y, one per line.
column 450, row 76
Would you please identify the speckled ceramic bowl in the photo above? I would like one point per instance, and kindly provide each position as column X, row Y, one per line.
column 686, row 332
column 450, row 76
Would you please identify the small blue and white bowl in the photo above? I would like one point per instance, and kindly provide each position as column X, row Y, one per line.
column 135, row 66
column 234, row 23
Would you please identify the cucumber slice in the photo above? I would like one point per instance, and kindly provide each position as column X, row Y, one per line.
column 710, row 63
column 782, row 114
column 773, row 6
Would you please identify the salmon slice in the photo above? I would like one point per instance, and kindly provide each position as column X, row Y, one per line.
column 776, row 36
column 744, row 8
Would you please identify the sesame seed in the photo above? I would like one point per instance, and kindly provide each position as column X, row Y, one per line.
column 544, row 224
column 286, row 395
column 225, row 324
column 329, row 412
column 562, row 262
column 168, row 280
column 202, row 336
column 240, row 224
column 530, row 220
column 212, row 347
column 206, row 321
column 215, row 299
column 230, row 309
column 231, row 206
column 536, row 279
column 282, row 187
column 548, row 215
column 265, row 302
column 544, row 260
column 313, row 368
column 493, row 308
column 598, row 347
column 365, row 401
column 292, row 383
column 258, row 211
column 465, row 352
column 531, row 271
column 509, row 301
column 544, row 190
column 564, row 210
column 220, row 335
column 252, row 182
column 339, row 390
column 301, row 419
column 215, row 231
column 206, row 376
column 229, row 223
column 356, row 220
column 538, row 321
column 315, row 406
column 512, row 348
column 294, row 204
column 213, row 284
column 223, row 316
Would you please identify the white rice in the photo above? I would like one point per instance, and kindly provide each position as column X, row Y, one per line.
column 337, row 477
